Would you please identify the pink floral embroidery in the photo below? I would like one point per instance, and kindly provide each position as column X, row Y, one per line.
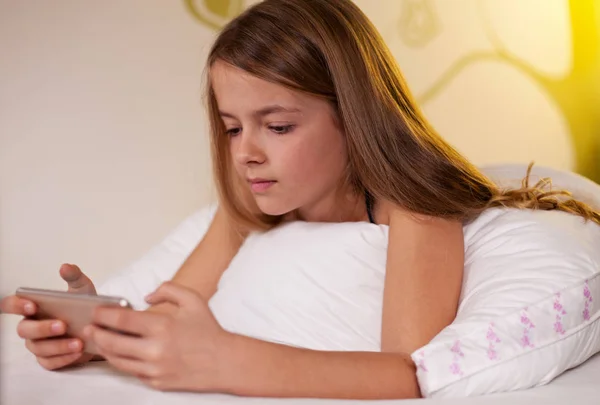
column 560, row 311
column 455, row 368
column 458, row 353
column 456, row 349
column 586, row 291
column 525, row 341
column 528, row 325
column 588, row 301
column 421, row 362
column 492, row 339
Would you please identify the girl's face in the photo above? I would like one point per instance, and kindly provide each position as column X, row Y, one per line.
column 286, row 145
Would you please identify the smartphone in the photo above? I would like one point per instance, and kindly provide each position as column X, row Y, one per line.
column 74, row 309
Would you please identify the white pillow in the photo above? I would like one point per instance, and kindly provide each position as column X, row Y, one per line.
column 312, row 285
column 320, row 286
column 528, row 308
column 527, row 311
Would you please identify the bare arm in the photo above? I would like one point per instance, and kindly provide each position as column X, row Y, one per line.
column 423, row 280
column 258, row 368
column 203, row 268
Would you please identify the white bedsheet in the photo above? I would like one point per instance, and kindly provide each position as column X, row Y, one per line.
column 24, row 382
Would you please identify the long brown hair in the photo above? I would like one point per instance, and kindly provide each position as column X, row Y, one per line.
column 330, row 49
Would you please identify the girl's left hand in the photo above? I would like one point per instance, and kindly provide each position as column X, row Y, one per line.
column 180, row 350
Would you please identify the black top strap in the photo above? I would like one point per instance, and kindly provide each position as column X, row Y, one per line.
column 369, row 204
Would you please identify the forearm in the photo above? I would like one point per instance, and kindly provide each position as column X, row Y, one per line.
column 205, row 265
column 257, row 368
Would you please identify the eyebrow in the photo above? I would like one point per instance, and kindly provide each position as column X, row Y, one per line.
column 270, row 109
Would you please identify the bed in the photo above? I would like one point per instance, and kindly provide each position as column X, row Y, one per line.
column 24, row 382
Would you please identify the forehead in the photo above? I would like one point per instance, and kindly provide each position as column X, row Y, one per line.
column 235, row 87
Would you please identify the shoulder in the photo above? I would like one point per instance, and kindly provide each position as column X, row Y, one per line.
column 422, row 231
column 394, row 216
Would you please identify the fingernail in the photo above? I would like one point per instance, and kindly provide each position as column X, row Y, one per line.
column 57, row 327
column 74, row 345
column 29, row 308
column 149, row 297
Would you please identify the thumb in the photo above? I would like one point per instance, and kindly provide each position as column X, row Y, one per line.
column 174, row 294
column 77, row 281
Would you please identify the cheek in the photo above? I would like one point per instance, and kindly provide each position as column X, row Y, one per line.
column 312, row 163
column 231, row 148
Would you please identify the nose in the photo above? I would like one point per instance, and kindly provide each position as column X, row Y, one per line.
column 247, row 150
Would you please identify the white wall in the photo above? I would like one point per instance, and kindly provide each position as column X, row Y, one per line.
column 102, row 139
column 103, row 144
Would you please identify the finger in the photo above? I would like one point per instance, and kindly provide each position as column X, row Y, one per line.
column 53, row 363
column 54, row 347
column 140, row 323
column 115, row 344
column 77, row 281
column 17, row 305
column 175, row 294
column 135, row 367
column 33, row 329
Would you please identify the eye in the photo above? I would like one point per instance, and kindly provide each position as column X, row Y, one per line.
column 281, row 129
column 233, row 131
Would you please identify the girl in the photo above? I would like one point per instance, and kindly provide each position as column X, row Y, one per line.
column 311, row 120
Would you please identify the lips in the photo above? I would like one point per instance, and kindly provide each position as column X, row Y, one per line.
column 259, row 185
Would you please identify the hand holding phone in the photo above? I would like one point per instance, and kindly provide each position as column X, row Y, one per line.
column 46, row 338
column 75, row 310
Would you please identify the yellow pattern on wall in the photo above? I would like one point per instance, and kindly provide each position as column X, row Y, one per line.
column 576, row 94
column 214, row 13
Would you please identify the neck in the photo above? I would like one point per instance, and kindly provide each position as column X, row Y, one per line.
column 335, row 207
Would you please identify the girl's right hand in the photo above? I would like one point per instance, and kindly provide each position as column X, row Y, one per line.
column 43, row 337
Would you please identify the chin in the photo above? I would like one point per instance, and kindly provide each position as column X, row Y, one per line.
column 271, row 207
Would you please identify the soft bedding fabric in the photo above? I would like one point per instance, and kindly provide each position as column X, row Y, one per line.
column 24, row 382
